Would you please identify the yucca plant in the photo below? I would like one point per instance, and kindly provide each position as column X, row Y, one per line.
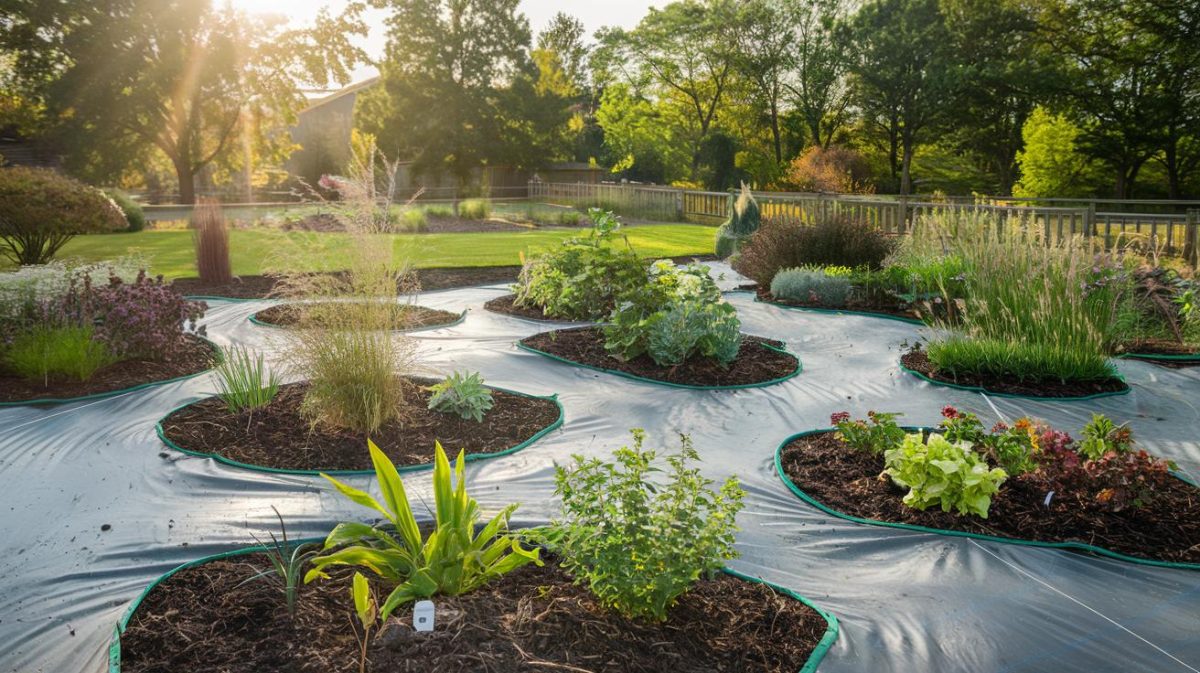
column 287, row 560
column 452, row 560
column 243, row 380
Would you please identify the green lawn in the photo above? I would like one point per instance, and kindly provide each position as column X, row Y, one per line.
column 254, row 251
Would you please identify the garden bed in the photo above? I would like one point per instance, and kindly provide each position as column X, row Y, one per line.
column 760, row 361
column 505, row 305
column 918, row 363
column 207, row 619
column 848, row 483
column 1162, row 351
column 406, row 318
column 277, row 437
column 194, row 357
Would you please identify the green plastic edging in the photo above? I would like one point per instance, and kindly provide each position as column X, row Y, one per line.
column 458, row 321
column 635, row 377
column 979, row 389
column 1190, row 357
column 218, row 357
column 114, row 646
column 839, row 311
column 158, row 429
column 1070, row 546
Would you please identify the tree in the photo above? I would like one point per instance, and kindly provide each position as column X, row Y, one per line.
column 904, row 74
column 564, row 38
column 445, row 70
column 176, row 75
column 764, row 58
column 822, row 58
column 1051, row 164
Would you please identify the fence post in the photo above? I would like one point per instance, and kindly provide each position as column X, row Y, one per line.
column 680, row 216
column 1089, row 219
column 1192, row 238
column 903, row 223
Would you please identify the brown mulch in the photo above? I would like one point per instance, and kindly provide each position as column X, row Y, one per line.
column 504, row 305
column 754, row 364
column 194, row 355
column 918, row 361
column 208, row 619
column 1162, row 347
column 849, row 481
column 896, row 310
column 278, row 436
column 407, row 316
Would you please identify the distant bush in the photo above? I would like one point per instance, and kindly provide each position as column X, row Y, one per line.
column 834, row 169
column 413, row 219
column 40, row 210
column 210, row 234
column 44, row 353
column 811, row 286
column 438, row 211
column 475, row 209
column 837, row 240
column 134, row 214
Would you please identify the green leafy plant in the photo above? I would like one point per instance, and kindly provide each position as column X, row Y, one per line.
column 635, row 545
column 1102, row 436
column 876, row 434
column 366, row 609
column 47, row 352
column 243, row 380
column 475, row 209
column 814, row 286
column 287, row 562
column 453, row 559
column 939, row 472
column 1013, row 448
column 462, row 394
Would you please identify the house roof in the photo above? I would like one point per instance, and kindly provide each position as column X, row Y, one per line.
column 344, row 91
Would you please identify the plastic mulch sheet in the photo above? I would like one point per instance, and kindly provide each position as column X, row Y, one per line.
column 906, row 601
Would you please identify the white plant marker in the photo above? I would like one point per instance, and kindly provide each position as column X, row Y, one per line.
column 423, row 616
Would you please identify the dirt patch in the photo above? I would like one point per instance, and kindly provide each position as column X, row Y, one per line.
column 919, row 362
column 406, row 317
column 194, row 355
column 757, row 362
column 850, row 481
column 208, row 619
column 278, row 436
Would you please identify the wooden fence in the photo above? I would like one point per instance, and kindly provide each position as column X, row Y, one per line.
column 1175, row 234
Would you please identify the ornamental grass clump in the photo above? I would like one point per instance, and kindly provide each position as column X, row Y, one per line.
column 45, row 353
column 244, row 382
column 1034, row 310
column 636, row 545
column 210, row 235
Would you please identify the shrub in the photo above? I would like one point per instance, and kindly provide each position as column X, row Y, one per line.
column 939, row 472
column 40, row 210
column 635, row 545
column 210, row 235
column 811, row 286
column 744, row 220
column 24, row 291
column 134, row 215
column 833, row 241
column 1033, row 311
column 462, row 394
column 583, row 278
column 833, row 169
column 244, row 382
column 475, row 209
column 438, row 211
column 414, row 219
column 142, row 319
column 453, row 560
column 676, row 313
column 875, row 435
column 44, row 353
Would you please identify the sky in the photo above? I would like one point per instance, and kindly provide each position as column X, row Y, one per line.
column 624, row 13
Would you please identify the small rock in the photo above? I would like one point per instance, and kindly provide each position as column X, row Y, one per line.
column 106, row 528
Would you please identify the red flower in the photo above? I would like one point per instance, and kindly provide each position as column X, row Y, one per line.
column 949, row 411
column 839, row 417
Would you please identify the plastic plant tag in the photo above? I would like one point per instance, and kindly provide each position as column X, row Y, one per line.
column 423, row 616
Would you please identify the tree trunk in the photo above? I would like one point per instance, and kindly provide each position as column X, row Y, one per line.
column 775, row 133
column 187, row 179
column 1172, row 163
column 905, row 177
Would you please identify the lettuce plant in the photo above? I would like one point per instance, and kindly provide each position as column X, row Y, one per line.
column 453, row 559
column 939, row 472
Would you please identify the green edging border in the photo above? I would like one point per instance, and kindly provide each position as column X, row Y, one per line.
column 838, row 311
column 114, row 646
column 218, row 358
column 978, row 389
column 1193, row 358
column 635, row 377
column 158, row 429
column 1070, row 546
column 458, row 321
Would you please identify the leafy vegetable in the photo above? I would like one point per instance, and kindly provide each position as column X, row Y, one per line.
column 938, row 472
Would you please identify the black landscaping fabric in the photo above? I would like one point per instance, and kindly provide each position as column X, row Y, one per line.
column 94, row 506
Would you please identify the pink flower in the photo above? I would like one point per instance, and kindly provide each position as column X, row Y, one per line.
column 949, row 411
column 839, row 417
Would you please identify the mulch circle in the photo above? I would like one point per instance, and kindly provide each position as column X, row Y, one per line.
column 917, row 361
column 505, row 306
column 850, row 482
column 209, row 619
column 1177, row 355
column 194, row 356
column 408, row 316
column 277, row 436
column 760, row 360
